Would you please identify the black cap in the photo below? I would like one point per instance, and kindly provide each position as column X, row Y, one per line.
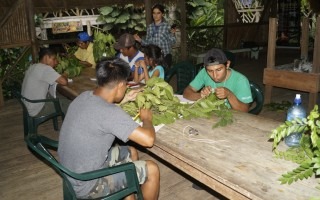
column 215, row 57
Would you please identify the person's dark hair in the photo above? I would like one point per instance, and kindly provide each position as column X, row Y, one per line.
column 46, row 51
column 154, row 52
column 158, row 6
column 112, row 71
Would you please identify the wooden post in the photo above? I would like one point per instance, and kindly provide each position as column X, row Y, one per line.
column 31, row 28
column 147, row 6
column 271, row 55
column 316, row 63
column 304, row 44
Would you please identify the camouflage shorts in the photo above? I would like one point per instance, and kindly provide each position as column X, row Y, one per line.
column 113, row 183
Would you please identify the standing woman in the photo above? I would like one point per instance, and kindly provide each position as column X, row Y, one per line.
column 160, row 33
column 152, row 64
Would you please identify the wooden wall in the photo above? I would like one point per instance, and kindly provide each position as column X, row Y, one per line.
column 14, row 27
column 236, row 31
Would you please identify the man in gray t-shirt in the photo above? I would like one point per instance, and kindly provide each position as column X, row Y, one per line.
column 38, row 78
column 90, row 127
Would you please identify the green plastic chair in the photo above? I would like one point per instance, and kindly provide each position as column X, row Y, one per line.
column 258, row 98
column 40, row 145
column 185, row 72
column 231, row 56
column 31, row 123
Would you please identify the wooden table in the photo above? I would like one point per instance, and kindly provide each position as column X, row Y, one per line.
column 236, row 161
column 85, row 81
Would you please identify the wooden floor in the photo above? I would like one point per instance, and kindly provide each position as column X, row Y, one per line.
column 23, row 176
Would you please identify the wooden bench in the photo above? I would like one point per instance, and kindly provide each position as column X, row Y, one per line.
column 254, row 53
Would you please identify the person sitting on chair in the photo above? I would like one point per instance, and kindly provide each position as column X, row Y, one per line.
column 129, row 52
column 90, row 127
column 37, row 80
column 217, row 77
column 85, row 50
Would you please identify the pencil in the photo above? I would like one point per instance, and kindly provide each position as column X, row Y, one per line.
column 136, row 117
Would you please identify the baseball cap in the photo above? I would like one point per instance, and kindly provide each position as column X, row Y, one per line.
column 215, row 57
column 84, row 37
column 125, row 40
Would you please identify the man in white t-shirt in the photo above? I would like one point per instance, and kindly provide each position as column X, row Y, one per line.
column 37, row 80
column 129, row 52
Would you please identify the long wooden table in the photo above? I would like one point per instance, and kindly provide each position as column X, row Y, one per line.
column 236, row 161
column 85, row 81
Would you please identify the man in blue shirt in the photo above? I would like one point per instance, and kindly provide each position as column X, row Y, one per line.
column 129, row 52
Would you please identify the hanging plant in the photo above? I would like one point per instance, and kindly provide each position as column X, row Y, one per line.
column 307, row 155
column 127, row 18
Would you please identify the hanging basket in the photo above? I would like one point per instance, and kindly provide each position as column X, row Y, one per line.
column 249, row 10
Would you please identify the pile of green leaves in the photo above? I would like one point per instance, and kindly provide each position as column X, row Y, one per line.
column 103, row 45
column 307, row 155
column 158, row 96
column 69, row 65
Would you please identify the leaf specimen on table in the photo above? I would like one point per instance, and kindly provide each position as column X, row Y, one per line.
column 166, row 108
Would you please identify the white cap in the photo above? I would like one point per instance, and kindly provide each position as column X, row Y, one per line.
column 298, row 96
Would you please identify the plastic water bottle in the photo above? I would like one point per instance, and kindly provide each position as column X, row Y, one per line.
column 296, row 111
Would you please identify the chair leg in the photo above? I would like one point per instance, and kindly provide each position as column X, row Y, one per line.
column 55, row 123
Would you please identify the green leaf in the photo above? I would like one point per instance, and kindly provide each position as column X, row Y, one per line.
column 106, row 10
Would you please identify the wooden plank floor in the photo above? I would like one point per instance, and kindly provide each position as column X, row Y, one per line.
column 24, row 176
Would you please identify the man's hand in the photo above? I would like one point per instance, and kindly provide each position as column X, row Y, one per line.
column 222, row 92
column 131, row 95
column 206, row 91
column 146, row 115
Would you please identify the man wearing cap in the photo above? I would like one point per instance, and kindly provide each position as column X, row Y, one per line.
column 129, row 52
column 216, row 76
column 85, row 50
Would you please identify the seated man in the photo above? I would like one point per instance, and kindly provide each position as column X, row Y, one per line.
column 217, row 77
column 129, row 52
column 37, row 80
column 85, row 50
column 90, row 127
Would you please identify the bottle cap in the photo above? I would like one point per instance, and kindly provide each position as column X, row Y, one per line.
column 297, row 100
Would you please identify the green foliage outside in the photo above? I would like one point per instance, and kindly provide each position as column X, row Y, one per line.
column 12, row 68
column 205, row 13
column 307, row 155
column 158, row 96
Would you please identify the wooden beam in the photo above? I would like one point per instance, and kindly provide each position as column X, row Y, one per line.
column 147, row 6
column 31, row 27
column 306, row 82
column 304, row 38
column 272, row 42
column 316, row 50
